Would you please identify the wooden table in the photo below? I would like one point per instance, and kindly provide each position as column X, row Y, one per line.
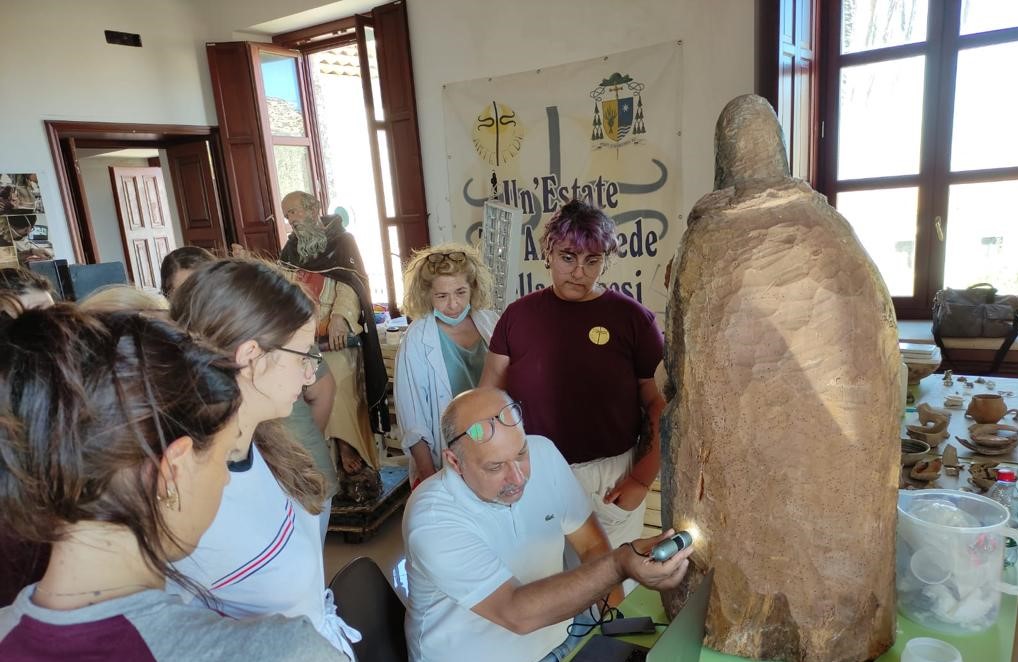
column 1000, row 642
column 932, row 390
column 994, row 645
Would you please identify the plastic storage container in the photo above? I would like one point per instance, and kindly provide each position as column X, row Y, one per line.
column 950, row 555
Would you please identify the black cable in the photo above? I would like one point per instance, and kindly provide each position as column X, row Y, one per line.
column 607, row 615
column 632, row 547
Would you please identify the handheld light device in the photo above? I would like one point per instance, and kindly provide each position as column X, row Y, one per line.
column 666, row 549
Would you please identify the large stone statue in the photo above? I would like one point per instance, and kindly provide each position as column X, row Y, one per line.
column 780, row 439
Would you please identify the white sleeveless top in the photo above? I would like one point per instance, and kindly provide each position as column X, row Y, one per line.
column 263, row 555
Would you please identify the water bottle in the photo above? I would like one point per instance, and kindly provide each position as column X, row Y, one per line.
column 1003, row 492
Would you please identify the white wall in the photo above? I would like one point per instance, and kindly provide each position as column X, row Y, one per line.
column 455, row 40
column 59, row 67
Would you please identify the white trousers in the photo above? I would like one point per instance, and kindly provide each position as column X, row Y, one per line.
column 597, row 478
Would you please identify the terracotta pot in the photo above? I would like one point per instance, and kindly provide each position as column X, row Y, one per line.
column 986, row 408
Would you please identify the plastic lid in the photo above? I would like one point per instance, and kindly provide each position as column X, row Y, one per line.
column 927, row 649
column 1006, row 474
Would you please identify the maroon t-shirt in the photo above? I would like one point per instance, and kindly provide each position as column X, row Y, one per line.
column 575, row 367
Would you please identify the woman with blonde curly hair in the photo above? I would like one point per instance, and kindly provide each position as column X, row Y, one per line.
column 447, row 291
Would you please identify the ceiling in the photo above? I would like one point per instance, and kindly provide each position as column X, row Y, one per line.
column 323, row 14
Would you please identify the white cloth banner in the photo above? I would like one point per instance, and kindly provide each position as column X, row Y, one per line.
column 605, row 131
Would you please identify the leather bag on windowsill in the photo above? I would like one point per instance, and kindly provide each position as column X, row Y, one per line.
column 975, row 312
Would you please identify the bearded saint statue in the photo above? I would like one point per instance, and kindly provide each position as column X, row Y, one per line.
column 327, row 262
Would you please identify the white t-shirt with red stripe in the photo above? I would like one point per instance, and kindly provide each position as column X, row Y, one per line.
column 263, row 552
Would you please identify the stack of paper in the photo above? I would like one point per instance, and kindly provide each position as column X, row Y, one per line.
column 919, row 353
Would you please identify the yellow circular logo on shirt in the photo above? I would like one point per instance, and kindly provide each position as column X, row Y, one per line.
column 599, row 335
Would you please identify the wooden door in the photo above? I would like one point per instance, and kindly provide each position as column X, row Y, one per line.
column 201, row 220
column 145, row 225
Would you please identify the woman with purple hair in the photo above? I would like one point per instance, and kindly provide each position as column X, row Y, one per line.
column 581, row 357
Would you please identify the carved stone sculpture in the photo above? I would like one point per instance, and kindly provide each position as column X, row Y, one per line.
column 781, row 440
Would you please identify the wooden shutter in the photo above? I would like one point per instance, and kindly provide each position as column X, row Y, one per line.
column 245, row 160
column 400, row 105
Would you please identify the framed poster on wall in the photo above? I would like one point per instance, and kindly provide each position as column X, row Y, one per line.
column 23, row 228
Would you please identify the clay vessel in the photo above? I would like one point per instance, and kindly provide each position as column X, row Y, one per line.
column 986, row 408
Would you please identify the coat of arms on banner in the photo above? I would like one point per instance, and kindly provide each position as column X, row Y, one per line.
column 618, row 112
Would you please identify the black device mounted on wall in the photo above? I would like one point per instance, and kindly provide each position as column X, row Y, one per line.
column 123, row 38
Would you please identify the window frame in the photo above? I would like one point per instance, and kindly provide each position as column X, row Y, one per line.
column 409, row 218
column 934, row 178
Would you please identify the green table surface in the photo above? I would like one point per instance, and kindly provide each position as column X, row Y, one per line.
column 994, row 645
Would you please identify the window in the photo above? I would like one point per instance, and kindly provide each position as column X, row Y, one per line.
column 360, row 83
column 329, row 110
column 917, row 145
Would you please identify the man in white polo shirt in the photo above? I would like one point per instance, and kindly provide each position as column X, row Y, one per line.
column 484, row 542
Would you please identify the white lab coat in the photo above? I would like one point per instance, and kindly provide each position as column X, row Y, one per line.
column 421, row 383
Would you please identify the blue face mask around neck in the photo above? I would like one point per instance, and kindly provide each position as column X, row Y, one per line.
column 452, row 321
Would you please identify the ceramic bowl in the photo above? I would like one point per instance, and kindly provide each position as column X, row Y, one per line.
column 913, row 450
column 916, row 371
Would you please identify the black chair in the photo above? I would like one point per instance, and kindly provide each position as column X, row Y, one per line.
column 367, row 602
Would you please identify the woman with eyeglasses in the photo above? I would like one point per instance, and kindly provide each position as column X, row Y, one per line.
column 263, row 553
column 581, row 357
column 115, row 433
column 447, row 291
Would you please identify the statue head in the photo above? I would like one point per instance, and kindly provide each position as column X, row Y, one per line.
column 748, row 143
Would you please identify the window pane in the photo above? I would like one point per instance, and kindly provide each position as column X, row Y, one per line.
column 880, row 116
column 396, row 263
column 982, row 236
column 293, row 169
column 866, row 25
column 376, row 89
column 885, row 222
column 984, row 134
column 282, row 95
column 346, row 153
column 383, row 153
column 986, row 15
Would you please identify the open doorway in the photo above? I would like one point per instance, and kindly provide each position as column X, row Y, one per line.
column 182, row 189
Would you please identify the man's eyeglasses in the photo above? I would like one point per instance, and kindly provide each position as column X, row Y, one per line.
column 510, row 416
column 310, row 361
